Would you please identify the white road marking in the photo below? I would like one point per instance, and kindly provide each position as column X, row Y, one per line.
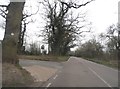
column 48, row 84
column 99, row 64
column 96, row 73
column 55, row 77
column 69, row 59
column 101, row 78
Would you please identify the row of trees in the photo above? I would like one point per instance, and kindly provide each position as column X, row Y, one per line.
column 107, row 48
column 60, row 30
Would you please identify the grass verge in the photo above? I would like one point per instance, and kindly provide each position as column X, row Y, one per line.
column 109, row 63
column 45, row 58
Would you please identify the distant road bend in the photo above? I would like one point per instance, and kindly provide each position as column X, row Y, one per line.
column 77, row 72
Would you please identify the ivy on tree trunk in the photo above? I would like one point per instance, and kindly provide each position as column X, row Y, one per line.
column 13, row 24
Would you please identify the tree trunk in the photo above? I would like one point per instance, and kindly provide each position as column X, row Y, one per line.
column 21, row 38
column 12, row 29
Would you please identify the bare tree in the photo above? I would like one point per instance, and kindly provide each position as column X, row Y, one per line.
column 62, row 27
column 90, row 49
column 24, row 23
column 111, row 38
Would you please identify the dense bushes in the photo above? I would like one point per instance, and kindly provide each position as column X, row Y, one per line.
column 90, row 49
column 106, row 49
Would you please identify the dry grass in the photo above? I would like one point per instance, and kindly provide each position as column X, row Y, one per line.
column 109, row 63
column 45, row 58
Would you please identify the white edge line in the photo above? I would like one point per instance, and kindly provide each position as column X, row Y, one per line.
column 48, row 84
column 100, row 78
column 55, row 77
column 99, row 64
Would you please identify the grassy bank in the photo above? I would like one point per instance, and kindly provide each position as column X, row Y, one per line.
column 45, row 58
column 109, row 63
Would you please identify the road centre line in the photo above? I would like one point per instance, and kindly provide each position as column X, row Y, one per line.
column 55, row 77
column 68, row 59
column 48, row 85
column 100, row 78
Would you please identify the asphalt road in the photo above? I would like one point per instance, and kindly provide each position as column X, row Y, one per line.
column 26, row 63
column 0, row 65
column 77, row 72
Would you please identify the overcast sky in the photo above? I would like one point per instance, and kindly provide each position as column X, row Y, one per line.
column 102, row 13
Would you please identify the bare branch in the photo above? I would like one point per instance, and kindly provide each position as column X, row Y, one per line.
column 3, row 13
column 3, row 10
column 74, row 5
column 25, row 15
column 3, row 6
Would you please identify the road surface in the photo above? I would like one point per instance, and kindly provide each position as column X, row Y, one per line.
column 77, row 72
column 0, row 65
column 27, row 63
